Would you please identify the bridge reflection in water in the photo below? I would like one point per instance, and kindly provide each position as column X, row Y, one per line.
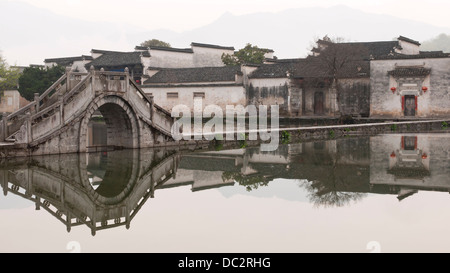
column 100, row 190
column 107, row 190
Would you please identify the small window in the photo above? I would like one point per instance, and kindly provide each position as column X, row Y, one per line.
column 199, row 95
column 172, row 95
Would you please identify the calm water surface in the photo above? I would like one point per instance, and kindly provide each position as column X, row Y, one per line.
column 387, row 193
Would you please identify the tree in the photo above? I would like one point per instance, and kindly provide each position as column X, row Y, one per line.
column 248, row 54
column 9, row 76
column 441, row 42
column 36, row 79
column 334, row 58
column 155, row 42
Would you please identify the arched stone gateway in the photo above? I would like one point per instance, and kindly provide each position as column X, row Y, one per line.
column 122, row 129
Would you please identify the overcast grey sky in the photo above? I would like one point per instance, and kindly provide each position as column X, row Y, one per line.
column 182, row 15
column 29, row 39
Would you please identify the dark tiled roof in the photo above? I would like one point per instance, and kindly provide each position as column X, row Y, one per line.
column 200, row 74
column 283, row 60
column 372, row 49
column 402, row 38
column 362, row 50
column 67, row 60
column 275, row 70
column 101, row 51
column 163, row 48
column 355, row 69
column 141, row 48
column 421, row 55
column 314, row 67
column 409, row 71
column 213, row 46
column 113, row 58
column 311, row 67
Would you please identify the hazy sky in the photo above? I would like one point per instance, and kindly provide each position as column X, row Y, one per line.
column 182, row 15
column 24, row 45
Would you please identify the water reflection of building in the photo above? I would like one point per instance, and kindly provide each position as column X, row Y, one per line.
column 387, row 164
column 330, row 165
column 106, row 190
column 405, row 164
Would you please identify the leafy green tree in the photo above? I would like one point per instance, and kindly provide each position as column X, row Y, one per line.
column 37, row 79
column 9, row 76
column 155, row 42
column 248, row 54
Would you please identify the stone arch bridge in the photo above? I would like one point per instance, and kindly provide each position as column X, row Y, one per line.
column 56, row 122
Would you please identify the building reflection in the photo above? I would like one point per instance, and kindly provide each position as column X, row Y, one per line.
column 107, row 190
column 407, row 164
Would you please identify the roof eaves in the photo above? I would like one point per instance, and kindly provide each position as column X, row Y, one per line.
column 212, row 46
column 406, row 39
column 181, row 50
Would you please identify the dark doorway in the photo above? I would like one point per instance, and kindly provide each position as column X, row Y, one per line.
column 410, row 105
column 318, row 103
column 409, row 143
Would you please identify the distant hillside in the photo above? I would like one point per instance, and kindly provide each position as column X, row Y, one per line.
column 30, row 35
column 441, row 42
column 289, row 33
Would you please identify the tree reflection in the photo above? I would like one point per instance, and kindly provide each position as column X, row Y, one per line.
column 250, row 182
column 326, row 195
column 339, row 176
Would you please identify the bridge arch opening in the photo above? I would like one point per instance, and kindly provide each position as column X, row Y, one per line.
column 110, row 125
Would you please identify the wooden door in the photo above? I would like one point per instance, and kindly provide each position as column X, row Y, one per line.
column 410, row 106
column 318, row 103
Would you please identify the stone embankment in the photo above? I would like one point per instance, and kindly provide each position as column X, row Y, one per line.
column 286, row 135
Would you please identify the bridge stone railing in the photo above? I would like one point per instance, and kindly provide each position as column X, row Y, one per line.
column 13, row 122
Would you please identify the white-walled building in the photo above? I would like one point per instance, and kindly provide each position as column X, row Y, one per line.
column 75, row 63
column 219, row 86
column 410, row 86
column 11, row 101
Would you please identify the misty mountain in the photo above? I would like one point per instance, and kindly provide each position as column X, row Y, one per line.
column 291, row 32
column 30, row 34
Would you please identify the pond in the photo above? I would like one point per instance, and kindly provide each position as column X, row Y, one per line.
column 385, row 193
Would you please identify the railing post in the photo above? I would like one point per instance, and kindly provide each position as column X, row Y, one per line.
column 127, row 79
column 61, row 109
column 4, row 128
column 152, row 109
column 68, row 81
column 36, row 100
column 29, row 123
column 92, row 72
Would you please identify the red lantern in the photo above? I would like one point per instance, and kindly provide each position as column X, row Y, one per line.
column 424, row 88
column 424, row 156
column 393, row 155
column 393, row 89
